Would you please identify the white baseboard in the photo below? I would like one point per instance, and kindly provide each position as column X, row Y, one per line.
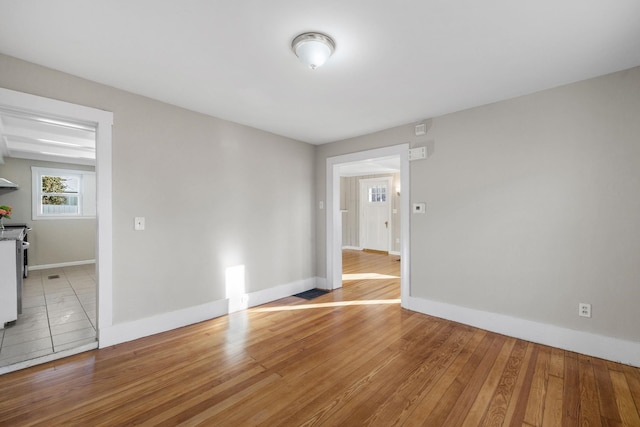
column 140, row 328
column 135, row 329
column 617, row 350
column 357, row 248
column 61, row 264
column 267, row 295
column 321, row 283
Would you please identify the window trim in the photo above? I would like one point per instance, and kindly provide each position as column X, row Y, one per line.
column 38, row 172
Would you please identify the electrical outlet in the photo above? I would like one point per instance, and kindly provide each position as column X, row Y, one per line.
column 584, row 310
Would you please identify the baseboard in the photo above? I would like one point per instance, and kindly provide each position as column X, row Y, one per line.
column 140, row 328
column 352, row 248
column 321, row 283
column 61, row 264
column 394, row 253
column 281, row 291
column 616, row 350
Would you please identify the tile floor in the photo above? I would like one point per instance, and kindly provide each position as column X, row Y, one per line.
column 58, row 313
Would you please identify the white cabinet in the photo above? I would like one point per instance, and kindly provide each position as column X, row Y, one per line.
column 8, row 282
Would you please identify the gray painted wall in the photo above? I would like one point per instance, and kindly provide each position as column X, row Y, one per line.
column 215, row 195
column 532, row 205
column 52, row 241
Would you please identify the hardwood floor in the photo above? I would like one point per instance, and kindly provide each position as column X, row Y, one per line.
column 351, row 357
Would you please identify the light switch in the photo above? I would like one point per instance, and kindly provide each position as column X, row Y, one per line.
column 419, row 208
column 138, row 223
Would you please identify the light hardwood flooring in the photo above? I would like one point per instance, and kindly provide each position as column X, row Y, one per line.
column 349, row 358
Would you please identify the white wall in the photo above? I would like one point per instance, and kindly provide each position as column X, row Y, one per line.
column 532, row 206
column 215, row 195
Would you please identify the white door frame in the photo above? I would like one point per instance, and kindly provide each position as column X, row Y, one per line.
column 363, row 202
column 103, row 121
column 333, row 236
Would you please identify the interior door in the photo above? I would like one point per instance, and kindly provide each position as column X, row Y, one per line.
column 374, row 213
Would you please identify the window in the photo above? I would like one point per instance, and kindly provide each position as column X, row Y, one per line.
column 63, row 193
column 378, row 194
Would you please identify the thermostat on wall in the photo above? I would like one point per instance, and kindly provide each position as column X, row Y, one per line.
column 419, row 207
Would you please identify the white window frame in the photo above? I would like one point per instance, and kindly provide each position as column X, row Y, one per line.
column 86, row 193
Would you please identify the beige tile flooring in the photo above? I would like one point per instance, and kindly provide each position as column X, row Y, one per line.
column 58, row 313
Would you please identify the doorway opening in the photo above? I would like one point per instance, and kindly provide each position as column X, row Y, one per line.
column 334, row 226
column 38, row 114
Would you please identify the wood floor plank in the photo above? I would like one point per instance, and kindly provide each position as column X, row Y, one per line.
column 633, row 379
column 589, row 400
column 483, row 397
column 350, row 357
column 606, row 398
column 571, row 393
column 535, row 405
column 624, row 399
column 518, row 406
column 496, row 413
column 552, row 414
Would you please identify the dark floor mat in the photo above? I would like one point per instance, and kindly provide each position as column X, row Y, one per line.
column 311, row 294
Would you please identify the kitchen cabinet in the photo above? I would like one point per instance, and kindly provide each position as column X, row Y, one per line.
column 8, row 282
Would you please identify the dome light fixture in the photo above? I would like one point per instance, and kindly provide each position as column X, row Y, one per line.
column 313, row 49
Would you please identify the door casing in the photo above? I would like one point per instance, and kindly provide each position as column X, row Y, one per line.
column 333, row 231
column 103, row 121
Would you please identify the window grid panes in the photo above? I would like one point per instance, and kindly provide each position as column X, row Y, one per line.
column 60, row 194
column 378, row 194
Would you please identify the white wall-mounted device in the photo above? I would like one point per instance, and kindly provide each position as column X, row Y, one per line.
column 419, row 208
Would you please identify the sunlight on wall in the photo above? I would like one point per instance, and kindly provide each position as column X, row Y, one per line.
column 235, row 288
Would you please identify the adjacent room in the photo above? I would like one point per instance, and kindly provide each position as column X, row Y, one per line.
column 343, row 213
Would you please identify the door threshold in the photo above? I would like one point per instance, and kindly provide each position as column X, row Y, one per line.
column 375, row 251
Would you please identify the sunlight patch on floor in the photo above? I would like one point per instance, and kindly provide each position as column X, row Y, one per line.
column 325, row 304
column 367, row 276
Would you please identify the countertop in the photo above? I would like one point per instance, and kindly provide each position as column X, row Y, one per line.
column 12, row 234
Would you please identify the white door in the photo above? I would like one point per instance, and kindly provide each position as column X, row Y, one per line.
column 375, row 203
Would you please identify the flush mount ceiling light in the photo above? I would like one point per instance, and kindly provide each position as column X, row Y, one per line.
column 313, row 49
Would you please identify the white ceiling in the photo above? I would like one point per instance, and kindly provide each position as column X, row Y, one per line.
column 371, row 167
column 395, row 62
column 38, row 138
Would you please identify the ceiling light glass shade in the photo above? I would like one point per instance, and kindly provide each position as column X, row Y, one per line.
column 313, row 49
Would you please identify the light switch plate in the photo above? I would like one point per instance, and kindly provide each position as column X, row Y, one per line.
column 138, row 223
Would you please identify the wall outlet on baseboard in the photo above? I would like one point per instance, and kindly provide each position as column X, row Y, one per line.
column 584, row 310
